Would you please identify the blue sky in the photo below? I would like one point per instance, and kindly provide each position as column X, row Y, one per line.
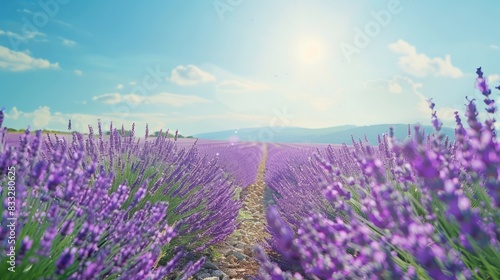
column 201, row 66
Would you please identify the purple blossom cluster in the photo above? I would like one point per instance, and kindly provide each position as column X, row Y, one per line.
column 199, row 193
column 424, row 208
column 112, row 207
column 69, row 225
column 294, row 191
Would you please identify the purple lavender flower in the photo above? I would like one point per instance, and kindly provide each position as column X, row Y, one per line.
column 92, row 270
column 284, row 235
column 65, row 260
column 431, row 104
column 46, row 242
column 1, row 116
column 67, row 227
column 425, row 215
column 483, row 86
column 139, row 195
column 25, row 245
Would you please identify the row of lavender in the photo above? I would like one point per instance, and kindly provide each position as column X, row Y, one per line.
column 110, row 207
column 287, row 177
column 240, row 159
column 424, row 208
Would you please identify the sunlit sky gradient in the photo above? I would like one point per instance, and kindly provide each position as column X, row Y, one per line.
column 203, row 66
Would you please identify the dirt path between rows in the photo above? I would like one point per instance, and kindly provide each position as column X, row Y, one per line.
column 235, row 254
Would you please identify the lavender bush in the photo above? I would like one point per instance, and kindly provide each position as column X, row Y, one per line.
column 69, row 226
column 110, row 208
column 420, row 209
column 295, row 191
column 199, row 192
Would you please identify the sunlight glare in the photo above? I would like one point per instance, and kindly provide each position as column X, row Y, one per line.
column 310, row 51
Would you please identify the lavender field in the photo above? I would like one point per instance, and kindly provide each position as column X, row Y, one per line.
column 122, row 207
column 249, row 140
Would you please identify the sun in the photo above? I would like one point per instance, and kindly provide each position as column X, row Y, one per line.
column 310, row 51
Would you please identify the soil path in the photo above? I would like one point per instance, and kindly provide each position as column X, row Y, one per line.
column 236, row 257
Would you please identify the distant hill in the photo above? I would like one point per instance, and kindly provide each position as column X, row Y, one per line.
column 330, row 135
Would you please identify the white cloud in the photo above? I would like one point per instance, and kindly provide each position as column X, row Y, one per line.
column 493, row 78
column 235, row 86
column 41, row 116
column 23, row 37
column 119, row 86
column 190, row 75
column 13, row 114
column 133, row 83
column 78, row 72
column 68, row 42
column 495, row 47
column 11, row 34
column 133, row 99
column 156, row 121
column 21, row 61
column 161, row 98
column 420, row 65
column 108, row 98
column 394, row 87
column 446, row 69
